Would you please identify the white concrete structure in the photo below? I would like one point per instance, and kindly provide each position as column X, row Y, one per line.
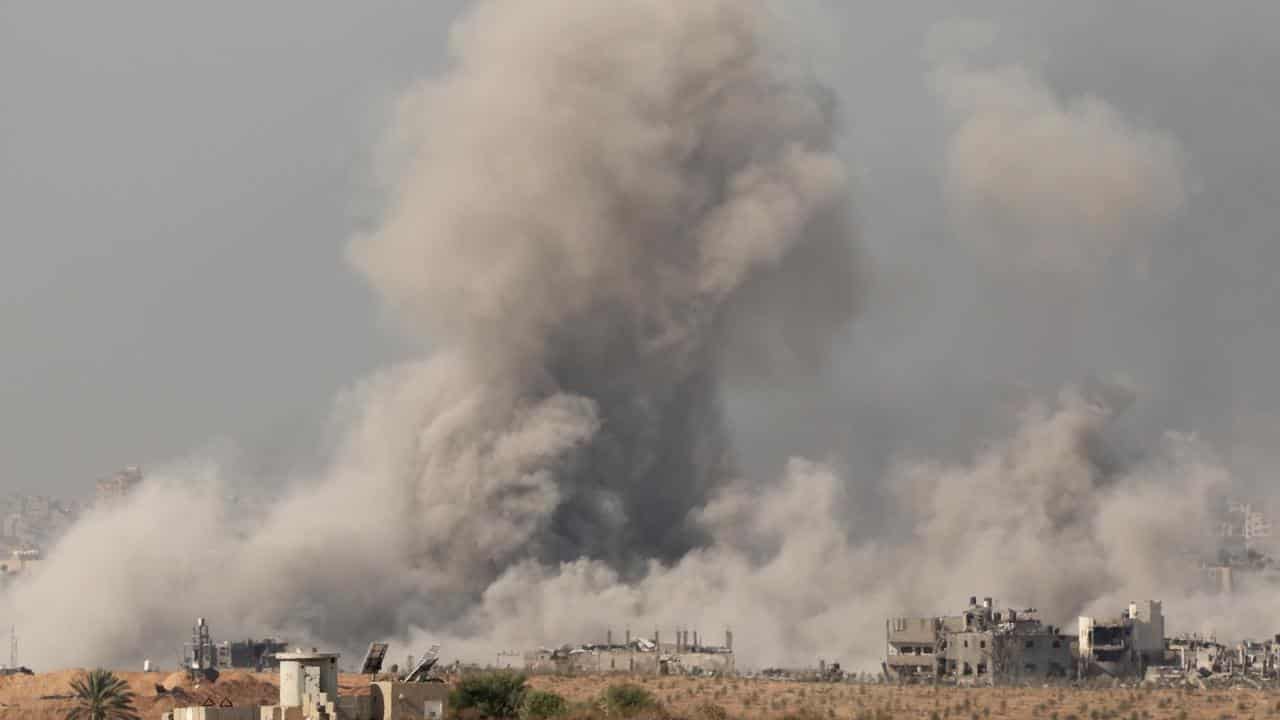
column 307, row 673
column 309, row 691
column 1148, row 626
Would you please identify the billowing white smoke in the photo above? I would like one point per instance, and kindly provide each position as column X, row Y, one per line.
column 1052, row 517
column 602, row 215
column 604, row 210
column 599, row 214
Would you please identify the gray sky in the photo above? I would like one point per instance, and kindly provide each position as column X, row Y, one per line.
column 178, row 182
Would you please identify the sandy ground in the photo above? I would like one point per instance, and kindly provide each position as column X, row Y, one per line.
column 42, row 697
column 686, row 697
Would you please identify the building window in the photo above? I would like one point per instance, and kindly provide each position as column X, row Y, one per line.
column 1030, row 644
column 1029, row 667
column 968, row 669
column 982, row 668
column 966, row 643
column 982, row 643
column 1057, row 643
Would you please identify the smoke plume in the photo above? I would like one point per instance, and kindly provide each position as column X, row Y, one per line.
column 599, row 216
column 599, row 221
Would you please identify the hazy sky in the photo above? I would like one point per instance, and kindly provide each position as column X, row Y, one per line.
column 178, row 183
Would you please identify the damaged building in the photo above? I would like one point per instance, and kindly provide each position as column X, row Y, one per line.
column 250, row 654
column 203, row 654
column 982, row 645
column 687, row 654
column 1259, row 659
column 1200, row 659
column 1124, row 646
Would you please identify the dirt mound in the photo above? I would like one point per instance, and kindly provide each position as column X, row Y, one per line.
column 48, row 695
column 17, row 688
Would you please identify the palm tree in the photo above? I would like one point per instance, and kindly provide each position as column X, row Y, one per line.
column 100, row 695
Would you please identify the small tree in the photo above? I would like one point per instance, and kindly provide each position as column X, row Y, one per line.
column 541, row 704
column 627, row 700
column 492, row 695
column 100, row 695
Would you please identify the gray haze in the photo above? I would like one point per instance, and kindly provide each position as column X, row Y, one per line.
column 641, row 301
column 177, row 184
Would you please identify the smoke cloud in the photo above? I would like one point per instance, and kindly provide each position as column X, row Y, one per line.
column 1055, row 517
column 599, row 216
column 1046, row 184
column 599, row 222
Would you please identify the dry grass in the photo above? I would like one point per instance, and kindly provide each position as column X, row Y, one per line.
column 21, row 698
column 749, row 699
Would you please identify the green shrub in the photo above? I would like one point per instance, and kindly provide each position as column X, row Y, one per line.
column 540, row 704
column 627, row 700
column 492, row 694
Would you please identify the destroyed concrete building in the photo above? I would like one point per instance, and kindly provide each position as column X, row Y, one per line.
column 1259, row 659
column 687, row 654
column 980, row 646
column 203, row 654
column 309, row 691
column 1190, row 653
column 986, row 646
column 1123, row 646
column 1196, row 659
